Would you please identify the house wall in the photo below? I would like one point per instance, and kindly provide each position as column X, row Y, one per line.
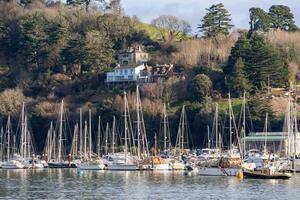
column 124, row 74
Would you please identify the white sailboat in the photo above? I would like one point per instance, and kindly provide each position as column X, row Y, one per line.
column 10, row 162
column 58, row 146
column 228, row 164
column 90, row 161
column 123, row 161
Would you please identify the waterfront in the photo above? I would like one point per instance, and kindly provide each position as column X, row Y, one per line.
column 67, row 184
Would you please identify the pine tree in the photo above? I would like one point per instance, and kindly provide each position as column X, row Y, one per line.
column 239, row 50
column 282, row 18
column 264, row 63
column 238, row 81
column 216, row 21
column 259, row 20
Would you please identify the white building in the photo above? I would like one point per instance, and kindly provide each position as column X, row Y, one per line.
column 126, row 74
column 131, row 64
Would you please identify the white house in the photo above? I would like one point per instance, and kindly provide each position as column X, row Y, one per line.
column 131, row 63
column 126, row 74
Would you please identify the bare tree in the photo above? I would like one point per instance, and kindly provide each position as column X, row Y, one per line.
column 171, row 27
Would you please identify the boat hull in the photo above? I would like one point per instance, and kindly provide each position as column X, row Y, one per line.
column 122, row 167
column 91, row 166
column 258, row 175
column 215, row 171
column 13, row 165
column 61, row 165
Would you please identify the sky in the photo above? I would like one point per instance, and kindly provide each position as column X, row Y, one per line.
column 194, row 10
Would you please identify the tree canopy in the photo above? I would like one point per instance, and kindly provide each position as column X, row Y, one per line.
column 172, row 28
column 216, row 21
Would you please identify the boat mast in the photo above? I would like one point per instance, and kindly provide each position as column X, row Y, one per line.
column 85, row 140
column 138, row 122
column 23, row 131
column 90, row 134
column 8, row 137
column 182, row 129
column 106, row 138
column 126, row 126
column 99, row 138
column 80, row 132
column 289, row 125
column 60, row 131
column 244, row 126
column 230, row 125
column 266, row 133
column 113, row 135
column 26, row 143
column 165, row 128
column 216, row 125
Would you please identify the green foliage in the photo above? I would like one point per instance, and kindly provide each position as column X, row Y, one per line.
column 238, row 81
column 282, row 18
column 263, row 63
column 259, row 20
column 252, row 63
column 258, row 107
column 199, row 87
column 31, row 41
column 98, row 52
column 279, row 17
column 216, row 21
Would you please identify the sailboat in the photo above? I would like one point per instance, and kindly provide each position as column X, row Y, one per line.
column 161, row 161
column 90, row 161
column 11, row 161
column 123, row 160
column 58, row 154
column 229, row 163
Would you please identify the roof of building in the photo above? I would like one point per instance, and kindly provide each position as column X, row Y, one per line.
column 129, row 66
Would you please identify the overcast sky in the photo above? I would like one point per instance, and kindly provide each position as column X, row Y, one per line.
column 194, row 10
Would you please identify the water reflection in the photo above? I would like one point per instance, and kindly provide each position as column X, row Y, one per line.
column 67, row 184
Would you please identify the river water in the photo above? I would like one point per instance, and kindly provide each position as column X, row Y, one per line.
column 68, row 184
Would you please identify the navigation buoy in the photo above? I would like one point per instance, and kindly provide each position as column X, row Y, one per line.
column 240, row 175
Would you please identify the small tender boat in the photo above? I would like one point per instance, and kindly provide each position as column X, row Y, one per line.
column 265, row 175
column 13, row 164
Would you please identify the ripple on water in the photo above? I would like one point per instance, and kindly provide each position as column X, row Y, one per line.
column 66, row 184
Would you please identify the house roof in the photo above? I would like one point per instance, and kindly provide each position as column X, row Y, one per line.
column 129, row 66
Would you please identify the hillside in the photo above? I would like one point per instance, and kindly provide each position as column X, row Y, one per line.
column 54, row 52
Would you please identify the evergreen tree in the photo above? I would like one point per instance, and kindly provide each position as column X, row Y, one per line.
column 216, row 21
column 259, row 20
column 239, row 50
column 282, row 18
column 31, row 40
column 98, row 52
column 264, row 63
column 238, row 81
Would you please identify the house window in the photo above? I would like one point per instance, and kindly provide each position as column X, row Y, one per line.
column 121, row 71
column 125, row 71
column 131, row 71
